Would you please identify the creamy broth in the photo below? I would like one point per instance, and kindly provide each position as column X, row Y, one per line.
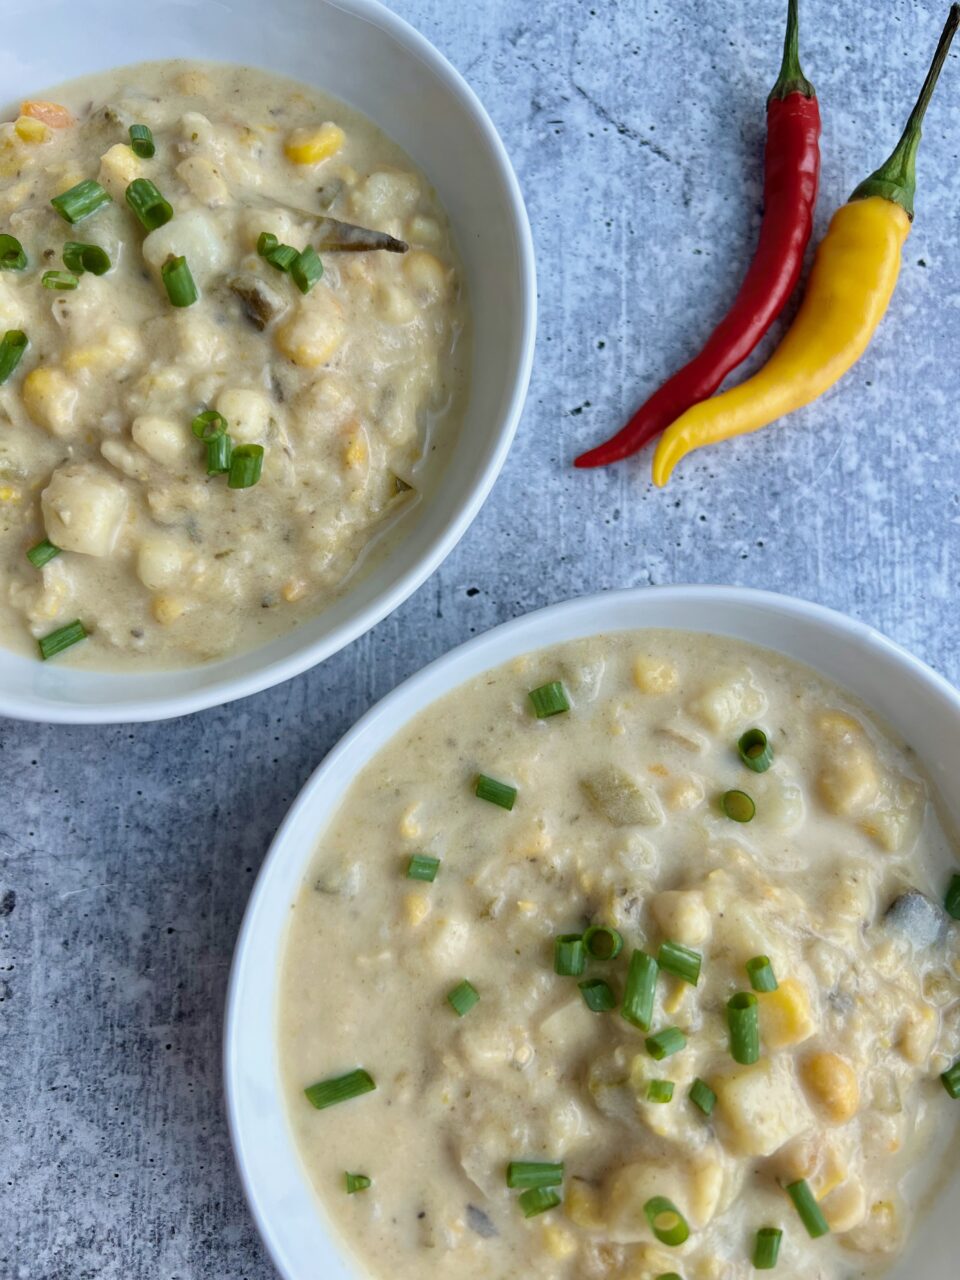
column 353, row 389
column 838, row 880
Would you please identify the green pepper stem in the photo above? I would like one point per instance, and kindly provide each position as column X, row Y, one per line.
column 896, row 179
column 791, row 78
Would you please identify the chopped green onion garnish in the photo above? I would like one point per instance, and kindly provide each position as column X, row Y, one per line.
column 59, row 280
column 141, row 141
column 219, row 453
column 952, row 900
column 539, row 1200
column 12, row 346
column 282, row 256
column 356, row 1182
column 549, row 700
column 463, row 997
column 738, row 806
column 246, row 464
column 805, row 1203
column 266, row 243
column 330, row 1092
column 500, row 793
column 660, row 1091
column 666, row 1221
column 12, row 256
column 80, row 201
column 669, row 1275
column 307, row 269
column 422, row 867
column 208, row 425
column 951, row 1080
column 178, row 282
column 680, row 961
column 743, row 1018
column 702, row 1096
column 666, row 1043
column 79, row 257
column 569, row 955
column 598, row 995
column 61, row 639
column 148, row 204
column 761, row 975
column 640, row 990
column 522, row 1174
column 602, row 942
column 42, row 553
column 755, row 751
column 767, row 1249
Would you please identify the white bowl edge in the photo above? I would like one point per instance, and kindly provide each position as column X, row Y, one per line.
column 896, row 685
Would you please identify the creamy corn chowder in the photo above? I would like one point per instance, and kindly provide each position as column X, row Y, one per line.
column 231, row 314
column 628, row 961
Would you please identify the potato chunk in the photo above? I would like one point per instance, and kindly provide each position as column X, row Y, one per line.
column 761, row 1107
column 311, row 336
column 620, row 799
column 195, row 236
column 730, row 702
column 50, row 397
column 83, row 508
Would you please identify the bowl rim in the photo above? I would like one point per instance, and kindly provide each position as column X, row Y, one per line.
column 524, row 633
column 19, row 706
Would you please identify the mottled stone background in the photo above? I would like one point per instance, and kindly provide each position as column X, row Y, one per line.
column 126, row 856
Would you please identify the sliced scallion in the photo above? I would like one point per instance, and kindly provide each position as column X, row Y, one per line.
column 356, row 1182
column 59, row 280
column 523, row 1174
column 422, row 867
column 666, row 1221
column 500, row 793
column 151, row 208
column 640, row 990
column 79, row 257
column 539, row 1200
column 805, row 1203
column 307, row 270
column 42, row 553
column 246, row 466
column 549, row 700
column 141, row 141
column 666, row 1043
column 680, row 961
column 755, row 751
column 12, row 256
column 951, row 1080
column 178, row 282
column 952, row 900
column 598, row 995
column 603, row 942
column 463, row 997
column 61, row 639
column 266, row 243
column 738, row 806
column 761, row 975
column 743, row 1019
column 766, row 1251
column 12, row 346
column 208, row 425
column 569, row 955
column 219, row 453
column 328, row 1093
column 80, row 201
column 282, row 256
column 702, row 1096
column 660, row 1091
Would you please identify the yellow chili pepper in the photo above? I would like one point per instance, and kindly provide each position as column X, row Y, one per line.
column 853, row 278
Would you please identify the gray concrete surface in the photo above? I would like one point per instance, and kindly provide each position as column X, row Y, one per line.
column 126, row 855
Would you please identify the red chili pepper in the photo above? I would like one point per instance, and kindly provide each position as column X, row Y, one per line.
column 792, row 164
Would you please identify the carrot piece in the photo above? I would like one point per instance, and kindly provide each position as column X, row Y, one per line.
column 51, row 113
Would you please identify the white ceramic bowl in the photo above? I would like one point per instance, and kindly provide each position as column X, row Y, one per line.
column 365, row 55
column 916, row 702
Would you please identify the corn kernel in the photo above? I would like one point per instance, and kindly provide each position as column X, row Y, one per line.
column 30, row 130
column 558, row 1241
column 167, row 609
column 833, row 1084
column 9, row 494
column 355, row 453
column 582, row 1205
column 294, row 590
column 409, row 826
column 416, row 908
column 310, row 146
column 786, row 1017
